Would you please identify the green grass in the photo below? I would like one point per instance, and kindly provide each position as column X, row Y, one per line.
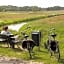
column 17, row 17
column 42, row 25
column 13, row 53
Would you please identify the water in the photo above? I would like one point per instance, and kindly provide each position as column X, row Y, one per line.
column 16, row 27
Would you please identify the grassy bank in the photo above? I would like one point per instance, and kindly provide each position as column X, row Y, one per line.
column 43, row 25
column 7, row 18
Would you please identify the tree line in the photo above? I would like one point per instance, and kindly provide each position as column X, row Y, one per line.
column 28, row 8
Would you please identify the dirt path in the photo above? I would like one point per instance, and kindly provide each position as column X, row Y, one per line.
column 8, row 60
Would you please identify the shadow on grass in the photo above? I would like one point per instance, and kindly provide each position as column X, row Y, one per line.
column 61, row 61
column 17, row 50
column 14, row 49
column 40, row 50
column 43, row 51
column 38, row 58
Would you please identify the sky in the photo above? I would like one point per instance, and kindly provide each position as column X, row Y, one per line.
column 39, row 3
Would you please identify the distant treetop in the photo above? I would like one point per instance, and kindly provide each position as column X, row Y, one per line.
column 28, row 8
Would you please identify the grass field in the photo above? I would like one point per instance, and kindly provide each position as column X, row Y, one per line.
column 42, row 25
column 17, row 17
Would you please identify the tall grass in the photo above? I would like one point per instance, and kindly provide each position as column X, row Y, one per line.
column 13, row 18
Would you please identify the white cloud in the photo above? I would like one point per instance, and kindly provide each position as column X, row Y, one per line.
column 40, row 3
